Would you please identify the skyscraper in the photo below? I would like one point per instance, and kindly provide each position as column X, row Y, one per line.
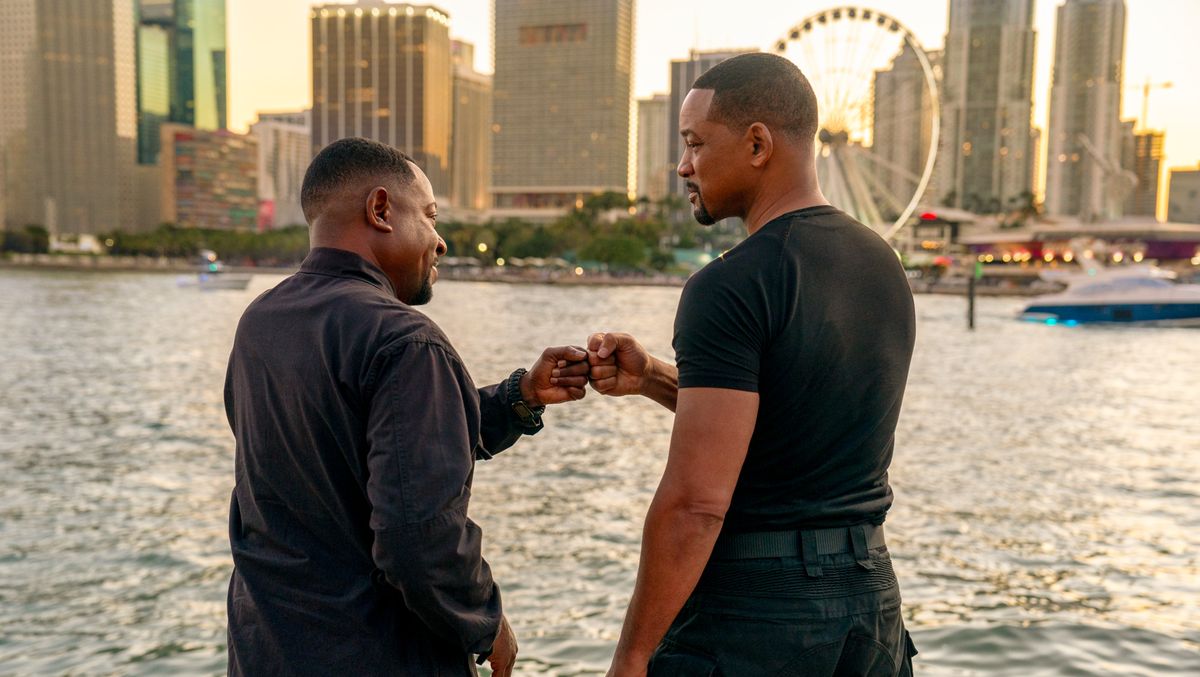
column 901, row 128
column 562, row 98
column 1142, row 154
column 1085, row 104
column 68, row 117
column 985, row 161
column 654, row 161
column 471, row 143
column 683, row 73
column 382, row 71
column 182, row 63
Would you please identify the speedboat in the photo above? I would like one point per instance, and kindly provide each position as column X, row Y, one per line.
column 1141, row 294
column 212, row 275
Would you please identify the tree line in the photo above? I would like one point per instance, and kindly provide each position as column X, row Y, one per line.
column 607, row 228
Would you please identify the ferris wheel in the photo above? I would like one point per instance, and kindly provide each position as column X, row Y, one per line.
column 846, row 53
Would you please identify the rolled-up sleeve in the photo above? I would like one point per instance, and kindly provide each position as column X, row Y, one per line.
column 422, row 431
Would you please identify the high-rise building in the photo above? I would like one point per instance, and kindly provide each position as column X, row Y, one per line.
column 284, row 151
column 1183, row 196
column 471, row 143
column 1141, row 155
column 902, row 128
column 1085, row 104
column 986, row 152
column 68, row 115
column 382, row 71
column 683, row 73
column 654, row 161
column 562, row 98
column 182, row 63
column 209, row 179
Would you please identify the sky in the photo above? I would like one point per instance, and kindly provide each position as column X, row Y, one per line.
column 269, row 50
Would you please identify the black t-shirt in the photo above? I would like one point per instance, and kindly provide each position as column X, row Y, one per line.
column 814, row 313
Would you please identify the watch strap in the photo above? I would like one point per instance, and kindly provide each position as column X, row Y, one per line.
column 529, row 417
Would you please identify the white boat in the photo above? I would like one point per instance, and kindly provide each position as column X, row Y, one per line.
column 1135, row 294
column 212, row 275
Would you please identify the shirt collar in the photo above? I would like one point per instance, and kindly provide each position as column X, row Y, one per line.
column 347, row 264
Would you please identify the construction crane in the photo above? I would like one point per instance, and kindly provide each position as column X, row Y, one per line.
column 1146, row 87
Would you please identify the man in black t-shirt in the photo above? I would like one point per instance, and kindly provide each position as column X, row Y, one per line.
column 763, row 549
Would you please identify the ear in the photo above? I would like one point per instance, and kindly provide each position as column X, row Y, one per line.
column 761, row 143
column 379, row 209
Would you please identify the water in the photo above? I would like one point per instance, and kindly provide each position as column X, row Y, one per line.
column 1047, row 481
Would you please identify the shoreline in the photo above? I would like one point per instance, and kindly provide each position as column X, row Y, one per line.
column 134, row 264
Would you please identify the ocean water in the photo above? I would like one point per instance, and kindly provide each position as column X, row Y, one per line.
column 1047, row 481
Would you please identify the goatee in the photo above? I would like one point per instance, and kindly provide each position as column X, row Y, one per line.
column 425, row 293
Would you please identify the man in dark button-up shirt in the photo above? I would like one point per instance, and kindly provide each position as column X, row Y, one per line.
column 357, row 428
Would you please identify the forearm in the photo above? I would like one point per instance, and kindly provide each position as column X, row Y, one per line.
column 676, row 544
column 661, row 383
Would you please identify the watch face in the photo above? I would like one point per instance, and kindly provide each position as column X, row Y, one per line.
column 522, row 410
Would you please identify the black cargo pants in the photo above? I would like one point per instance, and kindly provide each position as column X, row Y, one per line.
column 834, row 612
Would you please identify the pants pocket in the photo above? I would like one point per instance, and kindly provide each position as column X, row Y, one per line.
column 672, row 660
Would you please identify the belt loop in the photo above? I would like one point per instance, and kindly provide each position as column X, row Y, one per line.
column 858, row 538
column 808, row 550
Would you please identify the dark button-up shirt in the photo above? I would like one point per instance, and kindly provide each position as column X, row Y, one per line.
column 357, row 427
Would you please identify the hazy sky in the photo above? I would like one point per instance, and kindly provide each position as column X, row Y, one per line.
column 269, row 49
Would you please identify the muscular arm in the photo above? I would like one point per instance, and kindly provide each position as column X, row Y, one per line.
column 712, row 433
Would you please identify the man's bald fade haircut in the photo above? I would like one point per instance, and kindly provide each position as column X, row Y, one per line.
column 346, row 162
column 761, row 87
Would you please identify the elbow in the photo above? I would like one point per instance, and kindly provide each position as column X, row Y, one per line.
column 698, row 513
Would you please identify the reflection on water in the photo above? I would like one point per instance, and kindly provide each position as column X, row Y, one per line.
column 1047, row 482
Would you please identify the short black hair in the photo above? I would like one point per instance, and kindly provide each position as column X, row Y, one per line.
column 761, row 87
column 351, row 159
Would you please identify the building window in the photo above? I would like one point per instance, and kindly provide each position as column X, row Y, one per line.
column 553, row 34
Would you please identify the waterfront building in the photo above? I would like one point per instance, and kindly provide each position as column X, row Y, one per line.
column 68, row 115
column 1050, row 243
column 561, row 103
column 284, row 143
column 1183, row 196
column 182, row 68
column 654, row 163
column 382, row 71
column 683, row 73
column 986, row 154
column 1083, row 173
column 209, row 178
column 471, row 142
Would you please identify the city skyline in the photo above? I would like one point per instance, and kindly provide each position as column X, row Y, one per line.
column 1156, row 31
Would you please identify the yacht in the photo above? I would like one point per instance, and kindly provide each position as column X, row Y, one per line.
column 1141, row 294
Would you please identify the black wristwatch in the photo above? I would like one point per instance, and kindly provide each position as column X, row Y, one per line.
column 530, row 417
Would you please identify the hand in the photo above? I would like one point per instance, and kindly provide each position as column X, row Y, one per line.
column 559, row 375
column 504, row 651
column 619, row 364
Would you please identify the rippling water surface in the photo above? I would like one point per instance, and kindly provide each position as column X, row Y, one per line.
column 1047, row 480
